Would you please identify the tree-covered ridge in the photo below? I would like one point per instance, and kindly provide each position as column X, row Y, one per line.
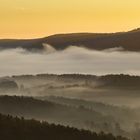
column 21, row 129
column 119, row 81
column 46, row 110
column 81, row 114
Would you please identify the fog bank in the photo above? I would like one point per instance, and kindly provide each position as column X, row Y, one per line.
column 70, row 60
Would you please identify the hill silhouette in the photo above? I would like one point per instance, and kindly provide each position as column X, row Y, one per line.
column 16, row 128
column 129, row 41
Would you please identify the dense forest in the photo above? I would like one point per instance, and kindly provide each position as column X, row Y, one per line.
column 89, row 102
column 54, row 112
column 120, row 81
column 21, row 129
column 76, row 113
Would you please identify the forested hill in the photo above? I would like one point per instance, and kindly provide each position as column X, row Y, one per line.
column 21, row 129
column 129, row 41
column 119, row 81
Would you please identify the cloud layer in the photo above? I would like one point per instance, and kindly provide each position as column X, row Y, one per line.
column 71, row 60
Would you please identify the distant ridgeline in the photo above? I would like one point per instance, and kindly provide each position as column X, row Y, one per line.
column 129, row 41
column 108, row 81
column 21, row 129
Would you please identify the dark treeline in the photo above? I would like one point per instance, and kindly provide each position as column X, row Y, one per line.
column 21, row 129
column 80, row 76
column 58, row 77
column 107, row 81
column 121, row 81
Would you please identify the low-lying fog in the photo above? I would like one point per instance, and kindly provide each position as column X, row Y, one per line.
column 78, row 102
column 70, row 60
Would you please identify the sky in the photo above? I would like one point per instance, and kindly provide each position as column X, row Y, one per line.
column 40, row 18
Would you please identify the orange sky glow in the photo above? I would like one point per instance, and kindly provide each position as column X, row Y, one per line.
column 39, row 18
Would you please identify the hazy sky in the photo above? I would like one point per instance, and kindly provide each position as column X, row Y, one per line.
column 37, row 18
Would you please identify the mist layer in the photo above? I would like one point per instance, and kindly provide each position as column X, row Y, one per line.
column 71, row 60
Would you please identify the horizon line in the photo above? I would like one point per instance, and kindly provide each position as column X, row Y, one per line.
column 65, row 33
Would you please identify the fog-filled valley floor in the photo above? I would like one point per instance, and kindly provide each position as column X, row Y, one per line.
column 89, row 90
column 107, row 103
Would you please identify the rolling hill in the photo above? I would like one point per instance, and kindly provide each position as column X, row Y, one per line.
column 129, row 41
column 19, row 128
